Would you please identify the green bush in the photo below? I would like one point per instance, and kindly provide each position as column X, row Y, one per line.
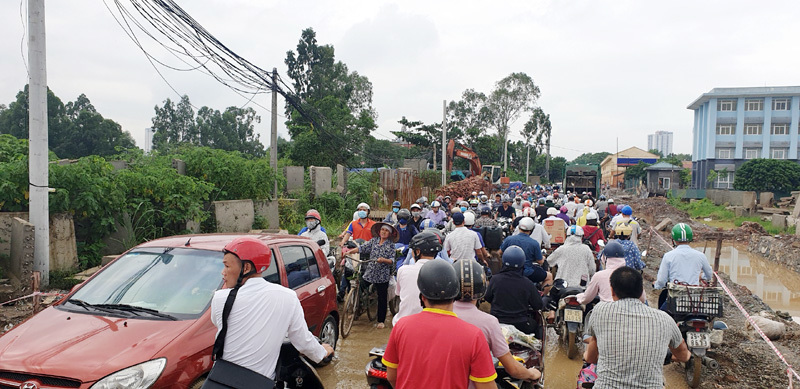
column 233, row 175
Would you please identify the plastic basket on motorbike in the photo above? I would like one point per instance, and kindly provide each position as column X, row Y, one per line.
column 695, row 300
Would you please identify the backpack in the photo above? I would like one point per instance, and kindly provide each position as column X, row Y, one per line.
column 493, row 238
column 588, row 240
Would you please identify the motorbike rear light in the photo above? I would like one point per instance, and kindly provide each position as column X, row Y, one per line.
column 697, row 324
column 373, row 372
column 572, row 301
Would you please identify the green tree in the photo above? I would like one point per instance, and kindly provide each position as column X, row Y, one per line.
column 656, row 152
column 468, row 118
column 637, row 172
column 591, row 158
column 425, row 136
column 512, row 96
column 383, row 153
column 337, row 114
column 768, row 175
column 174, row 124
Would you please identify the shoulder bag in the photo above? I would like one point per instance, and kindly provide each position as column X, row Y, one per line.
column 228, row 375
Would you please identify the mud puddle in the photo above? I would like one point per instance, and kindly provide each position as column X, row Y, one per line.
column 776, row 285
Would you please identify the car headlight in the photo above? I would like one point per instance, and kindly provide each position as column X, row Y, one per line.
column 139, row 376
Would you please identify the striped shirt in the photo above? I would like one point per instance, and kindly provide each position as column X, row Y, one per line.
column 632, row 342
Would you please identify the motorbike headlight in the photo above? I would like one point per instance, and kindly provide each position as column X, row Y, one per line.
column 140, row 376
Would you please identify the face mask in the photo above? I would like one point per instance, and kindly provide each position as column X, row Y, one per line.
column 362, row 214
column 395, row 210
column 312, row 224
column 415, row 214
column 463, row 209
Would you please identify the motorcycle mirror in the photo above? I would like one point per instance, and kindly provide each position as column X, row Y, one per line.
column 644, row 253
column 603, row 244
column 720, row 325
column 321, row 242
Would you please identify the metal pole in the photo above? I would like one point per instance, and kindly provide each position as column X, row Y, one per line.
column 527, row 165
column 37, row 133
column 444, row 142
column 505, row 151
column 273, row 149
column 717, row 254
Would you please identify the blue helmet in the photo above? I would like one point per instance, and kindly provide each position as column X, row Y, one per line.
column 514, row 257
column 427, row 223
column 627, row 210
column 396, row 204
column 614, row 249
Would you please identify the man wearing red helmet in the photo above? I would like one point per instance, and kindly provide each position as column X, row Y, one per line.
column 262, row 314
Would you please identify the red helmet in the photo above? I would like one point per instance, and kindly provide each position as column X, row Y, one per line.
column 250, row 249
column 526, row 204
column 313, row 213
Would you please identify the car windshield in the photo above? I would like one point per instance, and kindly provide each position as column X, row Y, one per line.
column 177, row 282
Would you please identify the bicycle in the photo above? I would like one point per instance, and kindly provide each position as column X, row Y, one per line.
column 358, row 299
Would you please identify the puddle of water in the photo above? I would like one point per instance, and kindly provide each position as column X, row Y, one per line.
column 777, row 285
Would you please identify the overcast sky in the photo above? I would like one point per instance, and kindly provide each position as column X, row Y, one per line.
column 606, row 69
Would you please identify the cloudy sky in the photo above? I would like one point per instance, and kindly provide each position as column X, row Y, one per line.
column 606, row 69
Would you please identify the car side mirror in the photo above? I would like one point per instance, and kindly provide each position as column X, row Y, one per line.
column 321, row 242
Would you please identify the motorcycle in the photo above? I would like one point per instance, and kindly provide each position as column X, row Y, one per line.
column 527, row 350
column 505, row 225
column 376, row 370
column 695, row 309
column 568, row 321
column 295, row 371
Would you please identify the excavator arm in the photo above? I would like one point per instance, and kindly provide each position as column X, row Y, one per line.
column 458, row 150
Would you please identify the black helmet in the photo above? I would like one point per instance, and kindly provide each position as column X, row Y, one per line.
column 437, row 280
column 614, row 249
column 427, row 242
column 404, row 213
column 514, row 257
column 472, row 280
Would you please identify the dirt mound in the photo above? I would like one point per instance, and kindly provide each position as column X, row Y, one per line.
column 752, row 228
column 464, row 188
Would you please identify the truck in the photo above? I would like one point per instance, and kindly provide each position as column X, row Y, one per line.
column 580, row 178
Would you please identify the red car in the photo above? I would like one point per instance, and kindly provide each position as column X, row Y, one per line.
column 143, row 321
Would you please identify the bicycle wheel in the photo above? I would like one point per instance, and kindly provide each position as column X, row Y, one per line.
column 394, row 305
column 371, row 303
column 348, row 312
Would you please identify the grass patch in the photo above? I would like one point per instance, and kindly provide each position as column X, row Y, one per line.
column 705, row 208
column 62, row 280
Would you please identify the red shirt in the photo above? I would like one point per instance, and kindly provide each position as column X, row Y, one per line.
column 589, row 230
column 612, row 209
column 436, row 349
column 357, row 231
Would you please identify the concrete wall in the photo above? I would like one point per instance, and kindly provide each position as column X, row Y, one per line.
column 418, row 165
column 63, row 249
column 341, row 179
column 180, row 166
column 234, row 215
column 746, row 199
column 21, row 261
column 320, row 179
column 295, row 176
column 268, row 210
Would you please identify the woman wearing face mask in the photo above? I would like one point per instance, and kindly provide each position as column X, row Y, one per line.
column 314, row 230
column 416, row 216
column 360, row 227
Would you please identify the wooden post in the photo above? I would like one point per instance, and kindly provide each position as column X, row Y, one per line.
column 36, row 278
column 717, row 254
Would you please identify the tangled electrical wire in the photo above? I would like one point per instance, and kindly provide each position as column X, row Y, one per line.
column 193, row 45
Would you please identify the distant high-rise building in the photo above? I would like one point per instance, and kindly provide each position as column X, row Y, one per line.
column 661, row 141
column 148, row 139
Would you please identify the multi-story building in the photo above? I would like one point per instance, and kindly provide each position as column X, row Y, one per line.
column 733, row 125
column 612, row 169
column 661, row 141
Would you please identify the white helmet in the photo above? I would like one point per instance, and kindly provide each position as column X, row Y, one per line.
column 469, row 218
column 552, row 212
column 526, row 224
column 456, row 210
column 528, row 212
column 435, row 204
column 574, row 230
column 363, row 205
column 592, row 215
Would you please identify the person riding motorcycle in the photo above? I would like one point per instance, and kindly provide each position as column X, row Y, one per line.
column 314, row 230
column 416, row 216
column 574, row 259
column 533, row 251
column 424, row 247
column 613, row 257
column 593, row 232
column 627, row 218
column 506, row 210
column 472, row 287
column 633, row 257
column 484, row 204
column 405, row 229
column 683, row 264
column 436, row 215
column 512, row 295
column 391, row 218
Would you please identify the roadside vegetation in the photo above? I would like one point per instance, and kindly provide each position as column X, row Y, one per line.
column 722, row 217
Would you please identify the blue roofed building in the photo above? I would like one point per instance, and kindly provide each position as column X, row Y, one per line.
column 734, row 125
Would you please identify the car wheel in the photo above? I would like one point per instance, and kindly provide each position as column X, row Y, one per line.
column 329, row 334
column 198, row 384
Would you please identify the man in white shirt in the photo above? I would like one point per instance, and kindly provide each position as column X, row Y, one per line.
column 424, row 247
column 263, row 314
column 462, row 243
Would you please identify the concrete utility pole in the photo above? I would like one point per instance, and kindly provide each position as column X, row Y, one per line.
column 37, row 133
column 528, row 164
column 547, row 161
column 444, row 142
column 505, row 151
column 273, row 149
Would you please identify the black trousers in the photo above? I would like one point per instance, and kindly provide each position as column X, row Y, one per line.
column 383, row 295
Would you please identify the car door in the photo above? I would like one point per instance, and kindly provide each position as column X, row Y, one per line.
column 303, row 276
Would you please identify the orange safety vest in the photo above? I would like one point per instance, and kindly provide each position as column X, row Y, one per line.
column 362, row 232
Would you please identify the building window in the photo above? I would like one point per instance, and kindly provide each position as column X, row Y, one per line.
column 724, row 153
column 726, row 129
column 663, row 183
column 754, row 105
column 778, row 153
column 726, row 105
column 780, row 129
column 724, row 180
column 752, row 129
column 780, row 104
column 752, row 153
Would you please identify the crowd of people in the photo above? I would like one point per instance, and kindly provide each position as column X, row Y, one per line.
column 445, row 271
